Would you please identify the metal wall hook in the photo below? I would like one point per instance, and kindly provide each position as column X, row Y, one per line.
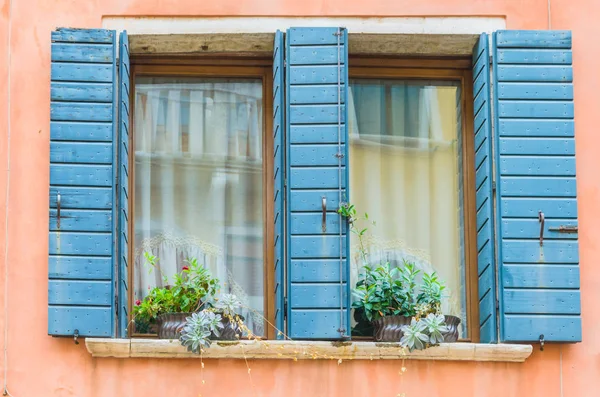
column 324, row 210
column 76, row 336
column 58, row 211
column 541, row 219
column 542, row 342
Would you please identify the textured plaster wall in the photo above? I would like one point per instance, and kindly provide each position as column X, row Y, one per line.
column 39, row 365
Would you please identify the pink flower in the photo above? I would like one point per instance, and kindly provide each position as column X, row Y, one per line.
column 185, row 268
column 138, row 302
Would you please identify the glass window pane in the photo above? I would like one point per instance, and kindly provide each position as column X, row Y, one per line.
column 406, row 173
column 199, row 183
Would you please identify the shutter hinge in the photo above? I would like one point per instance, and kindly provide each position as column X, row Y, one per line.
column 285, row 63
column 494, row 186
column 285, row 307
column 116, row 304
column 491, row 59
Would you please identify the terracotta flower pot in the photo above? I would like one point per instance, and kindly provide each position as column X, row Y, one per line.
column 171, row 324
column 389, row 328
column 452, row 322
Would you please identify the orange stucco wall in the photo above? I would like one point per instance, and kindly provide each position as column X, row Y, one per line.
column 39, row 365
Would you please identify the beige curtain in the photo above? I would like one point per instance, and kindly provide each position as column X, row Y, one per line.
column 404, row 172
column 198, row 183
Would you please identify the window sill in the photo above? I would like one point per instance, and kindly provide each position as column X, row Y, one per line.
column 157, row 348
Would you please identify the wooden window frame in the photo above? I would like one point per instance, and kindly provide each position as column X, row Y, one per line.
column 215, row 67
column 449, row 69
column 421, row 68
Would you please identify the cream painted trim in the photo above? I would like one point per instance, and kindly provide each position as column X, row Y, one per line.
column 398, row 25
column 160, row 348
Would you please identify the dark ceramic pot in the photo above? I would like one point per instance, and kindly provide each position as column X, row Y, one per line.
column 231, row 330
column 452, row 322
column 170, row 325
column 389, row 328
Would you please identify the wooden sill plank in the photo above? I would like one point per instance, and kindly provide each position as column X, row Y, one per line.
column 160, row 348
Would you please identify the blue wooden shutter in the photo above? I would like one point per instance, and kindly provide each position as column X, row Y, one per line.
column 81, row 239
column 316, row 90
column 535, row 170
column 278, row 176
column 123, row 182
column 484, row 194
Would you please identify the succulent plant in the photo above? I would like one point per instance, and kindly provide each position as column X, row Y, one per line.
column 228, row 304
column 435, row 327
column 414, row 335
column 198, row 328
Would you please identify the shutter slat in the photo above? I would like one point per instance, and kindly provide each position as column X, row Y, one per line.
column 77, row 292
column 484, row 195
column 81, row 92
column 319, row 296
column 537, row 146
column 536, row 176
column 81, row 220
column 92, row 73
column 311, row 224
column 77, row 52
column 317, row 270
column 545, row 276
column 315, row 323
column 311, row 296
column 310, row 200
column 315, row 134
column 314, row 155
column 316, row 178
column 81, row 244
column 79, row 267
column 81, row 198
column 78, row 131
column 318, row 74
column 81, row 152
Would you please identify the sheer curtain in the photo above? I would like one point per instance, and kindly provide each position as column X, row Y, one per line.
column 198, row 183
column 405, row 172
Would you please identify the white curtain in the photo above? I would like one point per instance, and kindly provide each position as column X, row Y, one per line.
column 198, row 184
column 405, row 172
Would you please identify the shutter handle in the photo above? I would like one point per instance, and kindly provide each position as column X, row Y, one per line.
column 324, row 209
column 541, row 218
column 58, row 210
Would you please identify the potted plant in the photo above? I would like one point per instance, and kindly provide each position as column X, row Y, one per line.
column 390, row 298
column 232, row 323
column 384, row 297
column 166, row 308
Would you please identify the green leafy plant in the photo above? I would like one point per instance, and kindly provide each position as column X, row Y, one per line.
column 348, row 211
column 430, row 298
column 198, row 328
column 188, row 292
column 387, row 291
column 379, row 292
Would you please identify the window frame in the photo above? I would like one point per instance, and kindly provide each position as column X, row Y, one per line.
column 421, row 68
column 449, row 69
column 216, row 67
